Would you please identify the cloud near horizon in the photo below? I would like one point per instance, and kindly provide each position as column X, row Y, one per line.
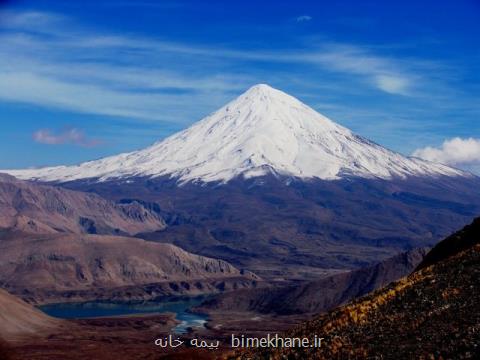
column 71, row 136
column 455, row 151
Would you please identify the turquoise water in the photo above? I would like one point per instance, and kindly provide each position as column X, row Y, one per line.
column 92, row 309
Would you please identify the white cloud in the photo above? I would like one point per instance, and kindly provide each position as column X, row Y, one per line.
column 303, row 18
column 58, row 65
column 393, row 84
column 70, row 136
column 93, row 98
column 456, row 151
column 388, row 75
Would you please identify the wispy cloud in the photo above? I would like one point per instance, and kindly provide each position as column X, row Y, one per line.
column 303, row 18
column 30, row 19
column 456, row 151
column 61, row 65
column 72, row 136
column 392, row 84
column 387, row 74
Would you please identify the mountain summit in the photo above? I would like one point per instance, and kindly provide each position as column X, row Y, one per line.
column 262, row 131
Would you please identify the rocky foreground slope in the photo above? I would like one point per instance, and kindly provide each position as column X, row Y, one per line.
column 433, row 313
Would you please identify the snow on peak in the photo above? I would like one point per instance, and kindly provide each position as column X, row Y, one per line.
column 263, row 130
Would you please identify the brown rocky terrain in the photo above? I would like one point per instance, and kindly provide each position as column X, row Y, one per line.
column 286, row 228
column 33, row 208
column 19, row 319
column 67, row 267
column 27, row 333
column 61, row 245
column 320, row 295
column 457, row 242
column 432, row 314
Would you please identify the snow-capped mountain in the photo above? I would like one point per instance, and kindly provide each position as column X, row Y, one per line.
column 278, row 227
column 264, row 130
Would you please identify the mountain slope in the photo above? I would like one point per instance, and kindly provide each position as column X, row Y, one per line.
column 58, row 264
column 32, row 208
column 278, row 229
column 47, row 252
column 19, row 319
column 262, row 131
column 433, row 313
column 458, row 242
column 320, row 295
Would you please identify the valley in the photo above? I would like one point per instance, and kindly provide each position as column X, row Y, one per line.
column 424, row 312
column 300, row 229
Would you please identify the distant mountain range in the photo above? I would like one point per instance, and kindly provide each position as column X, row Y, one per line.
column 268, row 184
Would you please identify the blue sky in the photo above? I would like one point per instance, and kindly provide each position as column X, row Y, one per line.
column 82, row 80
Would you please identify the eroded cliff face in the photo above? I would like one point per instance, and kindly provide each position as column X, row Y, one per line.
column 59, row 264
column 34, row 208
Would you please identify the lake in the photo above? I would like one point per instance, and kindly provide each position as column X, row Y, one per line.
column 92, row 309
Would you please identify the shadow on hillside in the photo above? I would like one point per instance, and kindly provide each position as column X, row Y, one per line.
column 6, row 352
